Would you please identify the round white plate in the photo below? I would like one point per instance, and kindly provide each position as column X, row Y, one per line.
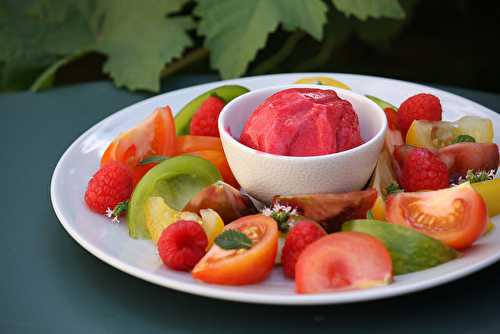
column 111, row 243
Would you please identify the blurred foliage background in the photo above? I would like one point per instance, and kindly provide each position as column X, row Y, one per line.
column 137, row 43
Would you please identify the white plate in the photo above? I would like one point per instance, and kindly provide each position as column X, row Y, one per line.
column 111, row 243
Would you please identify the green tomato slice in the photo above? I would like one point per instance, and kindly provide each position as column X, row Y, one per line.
column 381, row 103
column 410, row 250
column 226, row 93
column 176, row 180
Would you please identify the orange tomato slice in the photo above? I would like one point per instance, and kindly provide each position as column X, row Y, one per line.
column 457, row 216
column 219, row 160
column 242, row 266
column 190, row 143
column 154, row 136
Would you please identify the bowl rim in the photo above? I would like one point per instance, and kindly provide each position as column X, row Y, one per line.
column 227, row 137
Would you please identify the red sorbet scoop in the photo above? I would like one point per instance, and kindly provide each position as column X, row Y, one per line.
column 302, row 122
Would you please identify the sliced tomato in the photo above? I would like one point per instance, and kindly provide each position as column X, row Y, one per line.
column 457, row 216
column 464, row 156
column 242, row 266
column 154, row 136
column 343, row 261
column 219, row 160
column 332, row 209
column 188, row 143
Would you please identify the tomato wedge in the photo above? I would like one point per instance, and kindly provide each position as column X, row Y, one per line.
column 188, row 143
column 457, row 216
column 242, row 266
column 343, row 261
column 154, row 136
column 219, row 160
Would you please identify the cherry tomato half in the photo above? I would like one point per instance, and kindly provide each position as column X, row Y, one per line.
column 242, row 266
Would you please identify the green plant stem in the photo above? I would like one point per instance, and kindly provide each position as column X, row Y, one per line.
column 286, row 50
column 190, row 58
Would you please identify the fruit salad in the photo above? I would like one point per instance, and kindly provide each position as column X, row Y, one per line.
column 431, row 195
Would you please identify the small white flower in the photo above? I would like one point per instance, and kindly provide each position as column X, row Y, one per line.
column 267, row 211
column 109, row 213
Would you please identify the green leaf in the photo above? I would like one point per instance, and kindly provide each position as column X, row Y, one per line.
column 235, row 39
column 392, row 188
column 363, row 9
column 464, row 139
column 139, row 39
column 33, row 38
column 232, row 239
column 153, row 159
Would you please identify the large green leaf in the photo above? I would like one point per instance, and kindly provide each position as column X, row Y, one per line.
column 235, row 30
column 364, row 9
column 137, row 36
column 139, row 39
column 31, row 42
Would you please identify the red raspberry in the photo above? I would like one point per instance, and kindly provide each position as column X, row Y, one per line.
column 302, row 234
column 420, row 106
column 182, row 244
column 204, row 122
column 423, row 170
column 111, row 185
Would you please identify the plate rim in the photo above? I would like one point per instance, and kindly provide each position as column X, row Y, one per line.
column 214, row 291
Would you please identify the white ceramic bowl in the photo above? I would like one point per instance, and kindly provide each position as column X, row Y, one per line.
column 265, row 175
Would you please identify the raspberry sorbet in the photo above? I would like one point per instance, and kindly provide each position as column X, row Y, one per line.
column 302, row 122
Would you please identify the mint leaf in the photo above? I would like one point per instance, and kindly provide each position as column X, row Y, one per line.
column 233, row 239
column 363, row 9
column 464, row 139
column 152, row 159
column 139, row 39
column 392, row 188
column 235, row 30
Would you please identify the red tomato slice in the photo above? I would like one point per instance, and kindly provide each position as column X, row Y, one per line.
column 242, row 266
column 464, row 156
column 343, row 261
column 457, row 216
column 219, row 160
column 154, row 136
column 190, row 143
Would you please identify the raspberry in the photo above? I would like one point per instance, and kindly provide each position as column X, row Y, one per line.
column 111, row 185
column 182, row 245
column 302, row 234
column 204, row 122
column 420, row 106
column 423, row 170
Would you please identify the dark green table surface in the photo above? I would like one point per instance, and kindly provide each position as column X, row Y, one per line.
column 49, row 284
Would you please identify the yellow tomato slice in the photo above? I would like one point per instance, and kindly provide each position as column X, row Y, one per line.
column 212, row 224
column 326, row 81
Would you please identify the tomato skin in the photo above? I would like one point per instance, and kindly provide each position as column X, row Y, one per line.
column 219, row 160
column 343, row 261
column 188, row 143
column 154, row 136
column 457, row 216
column 232, row 267
column 464, row 156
